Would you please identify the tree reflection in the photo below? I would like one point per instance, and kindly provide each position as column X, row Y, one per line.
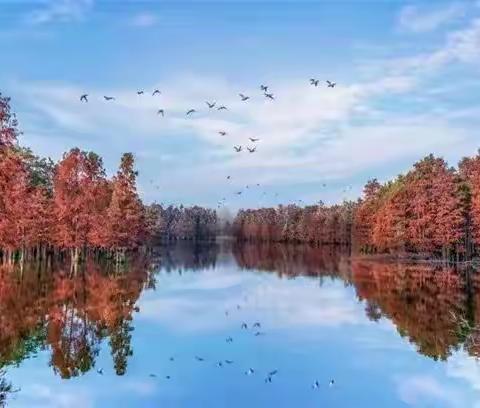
column 44, row 306
column 424, row 301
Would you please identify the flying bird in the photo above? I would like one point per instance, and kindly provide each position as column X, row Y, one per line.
column 156, row 92
column 223, row 107
column 257, row 324
column 84, row 98
column 259, row 333
column 244, row 97
column 251, row 149
column 253, row 140
column 331, row 383
column 222, row 133
column 189, row 112
column 229, row 361
column 219, row 364
column 244, row 325
column 140, row 92
column 100, row 371
column 238, row 193
column 161, row 112
column 250, row 371
column 229, row 177
column 109, row 98
column 167, row 377
column 210, row 104
column 331, row 84
column 272, row 373
column 152, row 375
column 229, row 340
column 238, row 149
column 268, row 379
column 314, row 81
column 199, row 358
column 264, row 88
column 269, row 96
column 315, row 385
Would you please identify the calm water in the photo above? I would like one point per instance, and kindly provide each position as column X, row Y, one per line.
column 111, row 338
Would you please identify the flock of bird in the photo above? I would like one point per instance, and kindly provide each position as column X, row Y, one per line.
column 255, row 328
column 213, row 105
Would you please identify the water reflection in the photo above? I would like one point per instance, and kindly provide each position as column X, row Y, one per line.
column 45, row 310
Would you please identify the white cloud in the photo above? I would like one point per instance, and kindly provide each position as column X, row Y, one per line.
column 60, row 11
column 41, row 395
column 418, row 20
column 424, row 390
column 144, row 20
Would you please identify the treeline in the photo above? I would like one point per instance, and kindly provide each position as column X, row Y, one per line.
column 316, row 224
column 431, row 211
column 69, row 207
column 167, row 224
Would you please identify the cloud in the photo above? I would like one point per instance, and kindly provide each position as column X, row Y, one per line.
column 41, row 395
column 420, row 20
column 299, row 303
column 62, row 11
column 423, row 390
column 144, row 20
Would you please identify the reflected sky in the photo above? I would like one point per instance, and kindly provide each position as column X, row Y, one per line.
column 108, row 338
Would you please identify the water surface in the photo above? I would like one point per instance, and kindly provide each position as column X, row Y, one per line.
column 388, row 335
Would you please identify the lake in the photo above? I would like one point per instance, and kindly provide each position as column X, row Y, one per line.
column 169, row 331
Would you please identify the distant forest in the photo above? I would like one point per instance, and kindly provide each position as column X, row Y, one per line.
column 71, row 208
column 431, row 211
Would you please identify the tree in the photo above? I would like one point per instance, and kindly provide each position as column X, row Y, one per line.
column 125, row 213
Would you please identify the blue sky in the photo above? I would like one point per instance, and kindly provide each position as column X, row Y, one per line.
column 407, row 74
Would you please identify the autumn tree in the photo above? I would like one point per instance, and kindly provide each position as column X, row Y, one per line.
column 125, row 212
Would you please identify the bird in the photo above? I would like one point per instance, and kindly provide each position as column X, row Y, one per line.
column 268, row 379
column 222, row 107
column 109, row 98
column 161, row 112
column 156, row 92
column 172, row 359
column 238, row 307
column 219, row 364
column 189, row 112
column 269, row 96
column 244, row 325
column 315, row 385
column 226, row 312
column 257, row 324
column 253, row 140
column 244, row 97
column 272, row 373
column 229, row 340
column 264, row 88
column 238, row 149
column 153, row 375
column 331, row 383
column 100, row 371
column 199, row 358
column 331, row 84
column 140, row 92
column 222, row 133
column 229, row 177
column 314, row 81
column 250, row 371
column 229, row 361
column 238, row 193
column 251, row 149
column 259, row 333
column 167, row 377
column 210, row 104
column 84, row 98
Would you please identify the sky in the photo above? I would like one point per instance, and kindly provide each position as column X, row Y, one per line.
column 407, row 74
